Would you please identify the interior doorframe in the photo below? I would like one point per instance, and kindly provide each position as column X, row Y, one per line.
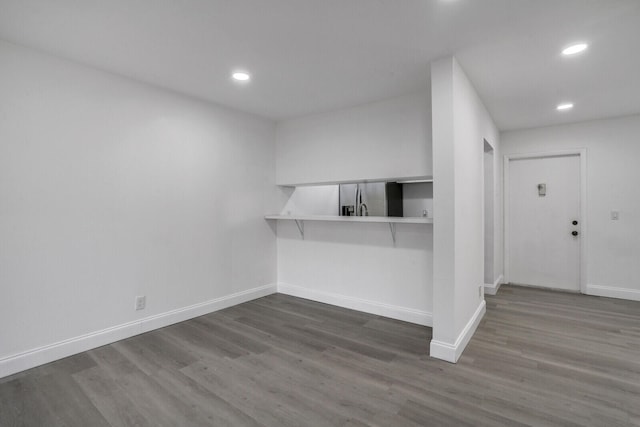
column 582, row 153
column 495, row 208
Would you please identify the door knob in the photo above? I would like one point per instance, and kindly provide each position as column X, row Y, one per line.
column 574, row 222
column 574, row 233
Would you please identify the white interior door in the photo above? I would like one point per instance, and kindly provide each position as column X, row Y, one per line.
column 544, row 242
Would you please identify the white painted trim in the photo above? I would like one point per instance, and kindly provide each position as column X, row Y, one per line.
column 505, row 217
column 613, row 292
column 48, row 353
column 452, row 352
column 585, row 224
column 373, row 307
column 584, row 235
column 492, row 288
column 425, row 178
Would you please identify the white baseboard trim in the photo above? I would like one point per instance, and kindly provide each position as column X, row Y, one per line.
column 373, row 307
column 493, row 288
column 613, row 292
column 452, row 352
column 48, row 353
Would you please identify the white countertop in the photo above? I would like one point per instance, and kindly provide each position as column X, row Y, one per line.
column 382, row 219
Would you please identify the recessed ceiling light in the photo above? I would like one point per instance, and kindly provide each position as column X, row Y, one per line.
column 575, row 48
column 564, row 106
column 241, row 76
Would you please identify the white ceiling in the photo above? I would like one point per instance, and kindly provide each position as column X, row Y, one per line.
column 310, row 56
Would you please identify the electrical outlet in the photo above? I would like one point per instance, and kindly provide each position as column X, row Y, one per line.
column 615, row 215
column 141, row 302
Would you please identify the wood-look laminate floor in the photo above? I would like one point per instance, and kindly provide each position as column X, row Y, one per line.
column 539, row 358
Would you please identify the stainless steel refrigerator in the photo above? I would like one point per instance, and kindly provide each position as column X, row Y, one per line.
column 371, row 199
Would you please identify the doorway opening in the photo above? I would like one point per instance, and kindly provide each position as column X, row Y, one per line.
column 489, row 199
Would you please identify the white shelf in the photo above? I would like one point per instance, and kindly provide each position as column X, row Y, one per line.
column 422, row 178
column 382, row 219
column 392, row 221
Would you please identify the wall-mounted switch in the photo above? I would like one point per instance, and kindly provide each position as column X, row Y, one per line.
column 141, row 302
column 615, row 215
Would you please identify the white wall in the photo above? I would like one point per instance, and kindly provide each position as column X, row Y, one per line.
column 461, row 123
column 416, row 198
column 356, row 265
column 111, row 189
column 376, row 141
column 312, row 200
column 613, row 174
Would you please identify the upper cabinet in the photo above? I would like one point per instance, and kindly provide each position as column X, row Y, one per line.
column 380, row 141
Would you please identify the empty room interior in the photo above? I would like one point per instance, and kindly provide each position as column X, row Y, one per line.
column 319, row 213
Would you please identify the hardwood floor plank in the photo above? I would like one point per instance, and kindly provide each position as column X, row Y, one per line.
column 242, row 340
column 217, row 410
column 67, row 402
column 153, row 351
column 112, row 404
column 289, row 333
column 22, row 404
column 357, row 346
column 233, row 385
column 335, row 392
column 200, row 339
column 538, row 358
column 156, row 404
